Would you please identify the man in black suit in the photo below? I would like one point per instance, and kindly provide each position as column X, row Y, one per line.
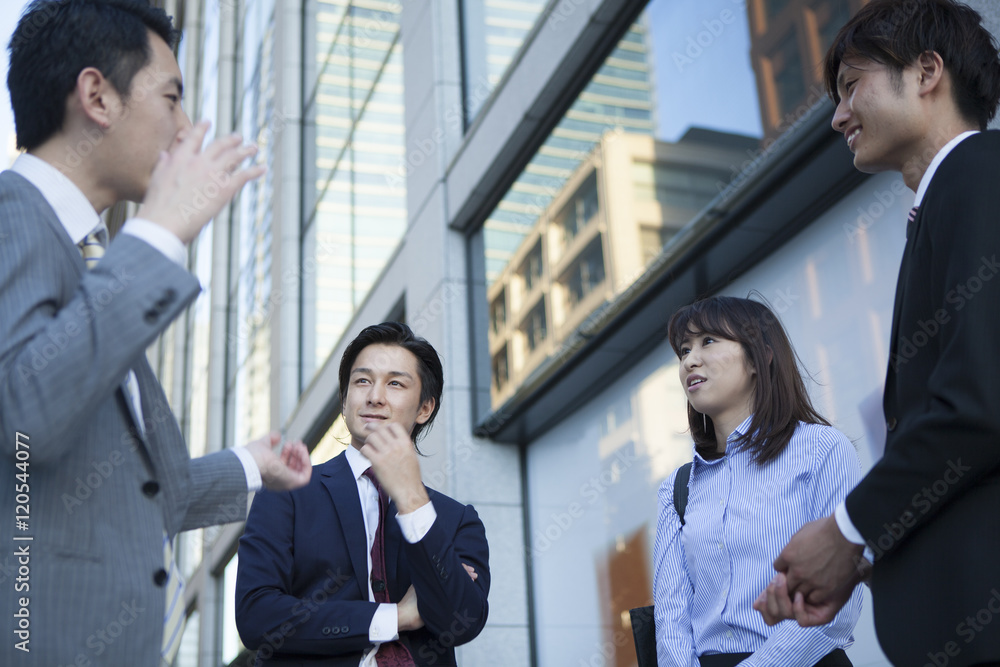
column 311, row 587
column 916, row 83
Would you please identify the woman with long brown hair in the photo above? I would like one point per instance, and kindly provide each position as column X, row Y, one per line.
column 765, row 463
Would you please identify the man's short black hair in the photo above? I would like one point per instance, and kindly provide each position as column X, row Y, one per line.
column 57, row 39
column 895, row 33
column 428, row 363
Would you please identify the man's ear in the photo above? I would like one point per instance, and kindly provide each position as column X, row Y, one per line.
column 930, row 71
column 426, row 410
column 96, row 98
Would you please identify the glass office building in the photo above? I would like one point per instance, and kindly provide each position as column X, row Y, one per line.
column 534, row 187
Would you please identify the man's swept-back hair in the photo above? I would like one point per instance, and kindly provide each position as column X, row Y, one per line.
column 428, row 363
column 57, row 39
column 896, row 32
column 780, row 400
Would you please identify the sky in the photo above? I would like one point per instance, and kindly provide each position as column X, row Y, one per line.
column 8, row 19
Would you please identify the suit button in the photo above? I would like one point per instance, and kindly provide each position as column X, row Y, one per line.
column 166, row 299
column 150, row 488
column 326, row 630
column 890, row 423
column 160, row 577
column 344, row 629
column 150, row 317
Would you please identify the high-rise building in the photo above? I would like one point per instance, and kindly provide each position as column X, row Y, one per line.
column 614, row 215
column 788, row 40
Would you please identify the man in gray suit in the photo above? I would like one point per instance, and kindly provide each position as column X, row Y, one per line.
column 95, row 474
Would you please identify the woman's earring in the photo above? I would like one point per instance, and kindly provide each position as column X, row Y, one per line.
column 704, row 422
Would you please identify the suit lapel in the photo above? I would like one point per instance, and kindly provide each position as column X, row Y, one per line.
column 343, row 489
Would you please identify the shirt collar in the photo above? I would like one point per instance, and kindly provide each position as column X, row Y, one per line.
column 936, row 162
column 74, row 210
column 359, row 462
column 739, row 432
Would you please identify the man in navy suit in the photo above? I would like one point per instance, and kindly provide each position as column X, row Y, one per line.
column 308, row 589
column 916, row 83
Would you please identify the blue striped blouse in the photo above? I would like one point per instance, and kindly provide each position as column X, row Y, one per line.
column 739, row 517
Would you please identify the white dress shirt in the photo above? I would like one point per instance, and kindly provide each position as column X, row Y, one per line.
column 78, row 218
column 384, row 626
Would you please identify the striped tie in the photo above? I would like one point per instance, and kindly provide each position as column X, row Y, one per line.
column 92, row 247
column 909, row 220
column 92, row 250
column 173, row 618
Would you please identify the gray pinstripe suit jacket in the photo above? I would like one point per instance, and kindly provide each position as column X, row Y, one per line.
column 100, row 492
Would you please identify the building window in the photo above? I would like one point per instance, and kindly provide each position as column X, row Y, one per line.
column 578, row 212
column 585, row 274
column 498, row 314
column 534, row 327
column 501, row 372
column 531, row 270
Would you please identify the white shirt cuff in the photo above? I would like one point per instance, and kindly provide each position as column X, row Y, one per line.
column 385, row 624
column 163, row 240
column 250, row 467
column 416, row 524
column 847, row 528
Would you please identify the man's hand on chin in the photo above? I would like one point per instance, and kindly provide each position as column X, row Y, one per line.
column 394, row 460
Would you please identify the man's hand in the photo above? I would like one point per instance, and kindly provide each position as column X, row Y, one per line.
column 471, row 570
column 775, row 605
column 394, row 460
column 818, row 563
column 189, row 186
column 407, row 614
column 289, row 470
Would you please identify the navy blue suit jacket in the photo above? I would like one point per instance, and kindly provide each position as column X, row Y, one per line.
column 302, row 589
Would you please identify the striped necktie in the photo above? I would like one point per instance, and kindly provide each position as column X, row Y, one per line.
column 909, row 220
column 92, row 246
column 92, row 250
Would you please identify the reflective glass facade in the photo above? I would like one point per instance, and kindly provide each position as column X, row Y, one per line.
column 354, row 176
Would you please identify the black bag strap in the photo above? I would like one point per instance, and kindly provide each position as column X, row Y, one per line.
column 681, row 489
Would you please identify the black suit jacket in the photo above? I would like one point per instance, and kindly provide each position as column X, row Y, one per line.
column 930, row 509
column 302, row 582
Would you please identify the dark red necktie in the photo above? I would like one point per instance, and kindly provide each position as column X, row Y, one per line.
column 390, row 654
